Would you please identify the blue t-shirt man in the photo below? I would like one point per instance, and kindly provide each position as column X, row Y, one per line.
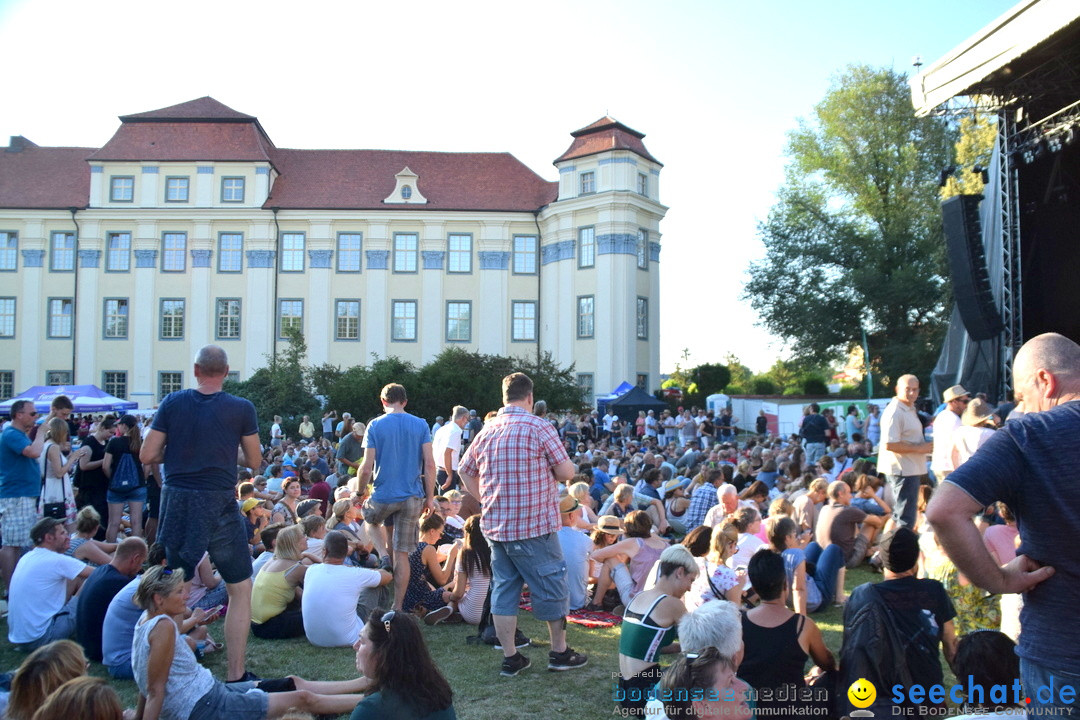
column 19, row 475
column 398, row 439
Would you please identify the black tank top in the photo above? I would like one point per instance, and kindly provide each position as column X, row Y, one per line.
column 772, row 656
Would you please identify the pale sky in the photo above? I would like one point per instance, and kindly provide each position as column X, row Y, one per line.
column 713, row 85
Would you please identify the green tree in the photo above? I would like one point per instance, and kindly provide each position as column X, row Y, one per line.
column 974, row 147
column 855, row 235
column 711, row 378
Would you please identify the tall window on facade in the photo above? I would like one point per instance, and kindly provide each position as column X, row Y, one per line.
column 643, row 381
column 122, row 188
column 643, row 318
column 228, row 319
column 172, row 319
column 232, row 189
column 524, row 321
column 58, row 377
column 176, row 189
column 292, row 252
column 116, row 319
column 60, row 310
column 585, row 384
column 588, row 182
column 459, row 322
column 9, row 251
column 290, row 317
column 169, row 382
column 525, row 250
column 174, row 252
column 118, row 252
column 405, row 252
column 459, row 253
column 347, row 325
column 643, row 184
column 585, row 316
column 62, row 252
column 403, row 325
column 643, row 249
column 7, row 383
column 115, row 383
column 348, row 252
column 230, row 252
column 7, row 319
column 586, row 247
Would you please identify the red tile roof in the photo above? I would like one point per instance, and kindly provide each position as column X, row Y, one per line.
column 362, row 179
column 44, row 177
column 187, row 141
column 603, row 135
column 203, row 109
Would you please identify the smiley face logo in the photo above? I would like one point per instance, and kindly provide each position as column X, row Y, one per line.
column 862, row 693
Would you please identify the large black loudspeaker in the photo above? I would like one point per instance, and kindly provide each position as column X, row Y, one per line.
column 967, row 266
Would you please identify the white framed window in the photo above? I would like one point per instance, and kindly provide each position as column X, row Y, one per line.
column 406, row 192
column 292, row 252
column 114, row 382
column 406, row 248
column 523, row 321
column 347, row 320
column 177, row 189
column 349, row 248
column 643, row 184
column 58, row 377
column 7, row 383
column 62, row 255
column 643, row 249
column 586, row 247
column 458, row 321
column 174, row 252
column 403, row 320
column 526, row 248
column 585, row 384
column 7, row 319
column 642, row 318
column 588, row 182
column 232, row 189
column 122, row 188
column 290, row 316
column 459, row 253
column 227, row 312
column 169, row 382
column 586, row 314
column 115, row 317
column 118, row 252
column 230, row 252
column 9, row 252
column 172, row 318
column 60, row 317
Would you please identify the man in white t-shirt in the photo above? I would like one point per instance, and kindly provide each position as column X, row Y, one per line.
column 39, row 609
column 446, row 446
column 945, row 424
column 608, row 421
column 331, row 591
column 275, row 432
column 651, row 424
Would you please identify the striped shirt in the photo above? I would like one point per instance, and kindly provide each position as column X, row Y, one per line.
column 513, row 456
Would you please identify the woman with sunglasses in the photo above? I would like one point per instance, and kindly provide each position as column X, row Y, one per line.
column 405, row 683
column 174, row 686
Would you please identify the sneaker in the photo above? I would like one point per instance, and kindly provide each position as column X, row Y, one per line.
column 511, row 666
column 566, row 660
column 437, row 616
column 520, row 640
column 248, row 676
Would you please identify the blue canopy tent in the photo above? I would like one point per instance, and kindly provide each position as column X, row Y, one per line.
column 603, row 400
column 85, row 398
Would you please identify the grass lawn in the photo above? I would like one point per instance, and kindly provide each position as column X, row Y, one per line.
column 473, row 670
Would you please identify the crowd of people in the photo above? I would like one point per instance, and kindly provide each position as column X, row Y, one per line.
column 709, row 545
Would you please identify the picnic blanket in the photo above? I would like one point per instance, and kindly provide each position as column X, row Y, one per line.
column 585, row 618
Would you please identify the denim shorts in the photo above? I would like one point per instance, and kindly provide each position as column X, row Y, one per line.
column 197, row 521
column 134, row 495
column 232, row 702
column 537, row 561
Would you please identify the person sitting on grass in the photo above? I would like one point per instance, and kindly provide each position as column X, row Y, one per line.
column 405, row 683
column 86, row 698
column 808, row 593
column 42, row 672
column 331, row 592
column 424, row 563
column 472, row 573
column 275, row 597
column 608, row 531
column 173, row 686
column 627, row 562
column 724, row 582
column 703, row 684
column 984, row 660
column 648, row 627
column 94, row 553
column 315, row 530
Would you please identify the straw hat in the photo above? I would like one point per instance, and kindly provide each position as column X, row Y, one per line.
column 609, row 524
column 977, row 413
column 953, row 393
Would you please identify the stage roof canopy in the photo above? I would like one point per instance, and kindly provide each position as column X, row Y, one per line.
column 998, row 54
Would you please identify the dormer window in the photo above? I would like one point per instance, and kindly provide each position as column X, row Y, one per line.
column 406, row 189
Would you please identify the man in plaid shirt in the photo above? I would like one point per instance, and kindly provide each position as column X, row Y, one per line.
column 703, row 499
column 516, row 465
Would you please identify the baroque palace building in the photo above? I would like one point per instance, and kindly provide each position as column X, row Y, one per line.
column 189, row 227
